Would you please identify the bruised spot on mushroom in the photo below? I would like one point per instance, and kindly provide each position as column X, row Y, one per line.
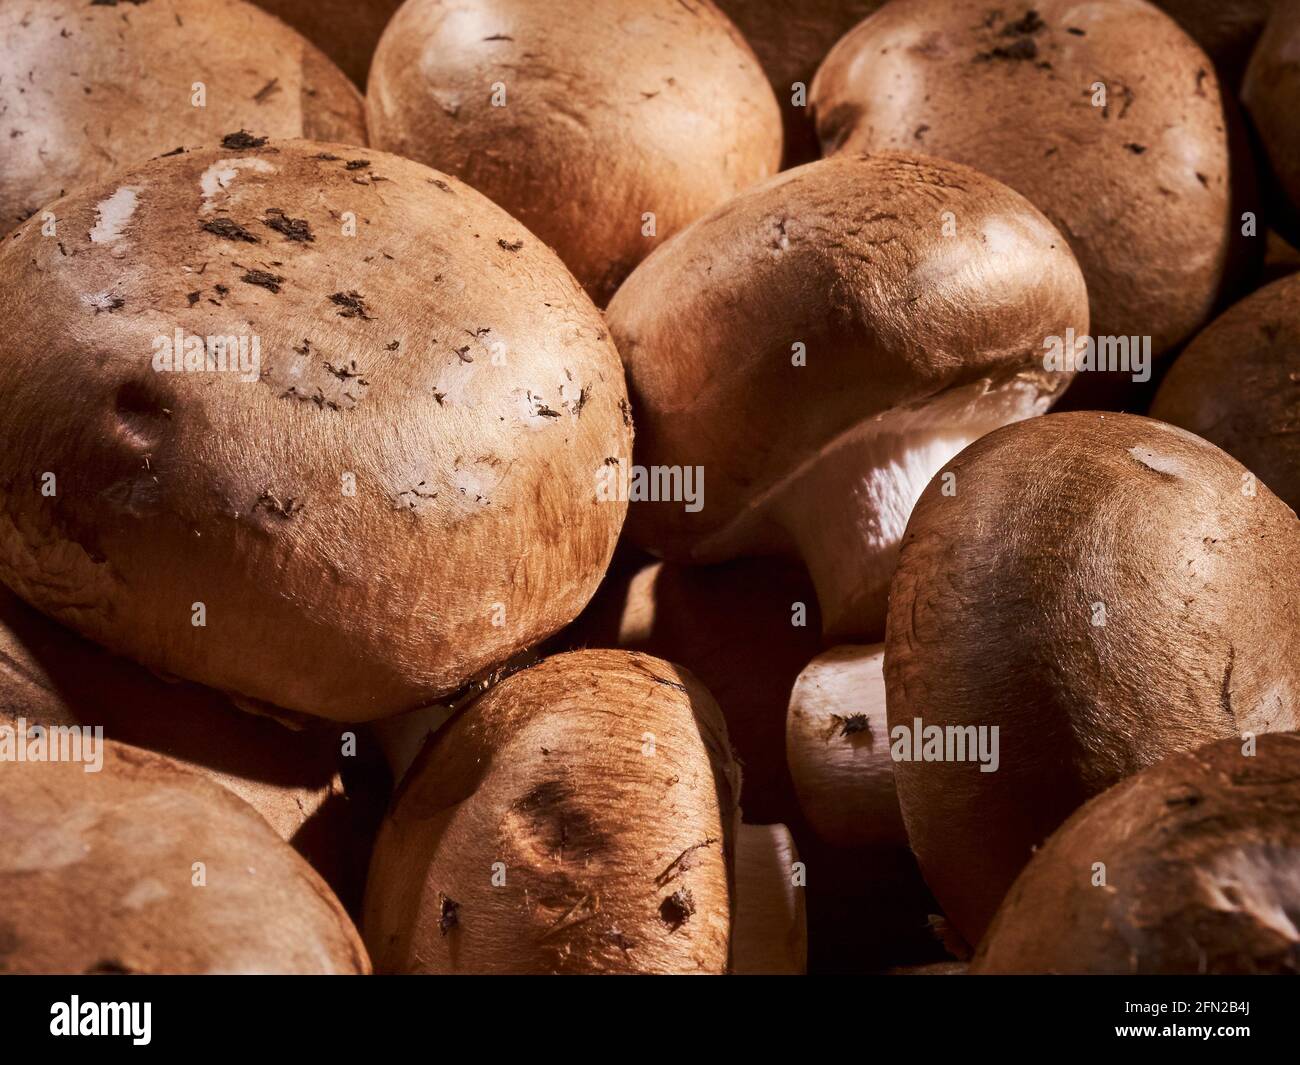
column 448, row 914
column 242, row 141
column 229, row 229
column 352, row 305
column 263, row 279
column 677, row 909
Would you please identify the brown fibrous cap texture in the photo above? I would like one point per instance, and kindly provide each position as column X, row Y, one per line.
column 1105, row 590
column 905, row 279
column 1191, row 867
column 327, row 805
column 612, row 110
column 579, row 818
column 1140, row 186
column 90, row 89
column 145, row 867
column 401, row 496
column 1238, row 385
column 1271, row 93
column 791, row 40
column 345, row 30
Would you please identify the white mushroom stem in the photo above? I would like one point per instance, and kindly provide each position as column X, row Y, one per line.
column 769, row 934
column 837, row 744
column 846, row 508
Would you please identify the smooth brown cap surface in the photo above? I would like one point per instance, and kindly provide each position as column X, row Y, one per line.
column 581, row 118
column 400, row 497
column 1102, row 590
column 93, row 88
column 1200, row 857
column 579, row 818
column 100, row 872
column 1140, row 186
column 1238, row 385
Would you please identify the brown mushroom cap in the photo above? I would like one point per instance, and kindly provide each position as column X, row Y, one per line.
column 1238, row 385
column 1200, row 856
column 404, row 496
column 578, row 818
column 100, row 872
column 837, row 743
column 791, row 40
column 1226, row 29
column 612, row 109
column 90, row 89
column 1104, row 590
column 1271, row 93
column 733, row 626
column 345, row 30
column 326, row 804
column 1140, row 186
column 919, row 295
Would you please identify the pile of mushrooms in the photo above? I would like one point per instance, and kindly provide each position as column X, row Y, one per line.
column 493, row 487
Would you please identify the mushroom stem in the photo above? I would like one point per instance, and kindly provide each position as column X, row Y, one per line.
column 846, row 509
column 769, row 934
column 837, row 745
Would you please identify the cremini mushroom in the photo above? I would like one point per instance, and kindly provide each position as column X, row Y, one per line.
column 91, row 88
column 603, row 125
column 803, row 359
column 320, row 788
column 838, row 746
column 338, row 428
column 1238, row 385
column 1192, row 866
column 142, row 866
column 1105, row 115
column 1093, row 593
column 578, row 818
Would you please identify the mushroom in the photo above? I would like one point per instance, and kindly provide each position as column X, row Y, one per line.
column 146, row 867
column 1238, row 385
column 819, row 347
column 1106, row 116
column 1098, row 591
column 744, row 628
column 1227, row 31
column 579, row 818
column 345, row 30
column 91, row 88
column 837, row 742
column 1192, row 866
column 790, row 41
column 1271, row 93
column 320, row 791
column 769, row 934
column 395, row 487
column 603, row 125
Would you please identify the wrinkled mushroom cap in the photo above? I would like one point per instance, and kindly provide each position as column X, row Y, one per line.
column 579, row 818
column 397, row 498
column 1200, row 856
column 92, row 88
column 1238, row 385
column 1140, row 186
column 1103, row 590
column 144, row 867
column 581, row 118
column 919, row 295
